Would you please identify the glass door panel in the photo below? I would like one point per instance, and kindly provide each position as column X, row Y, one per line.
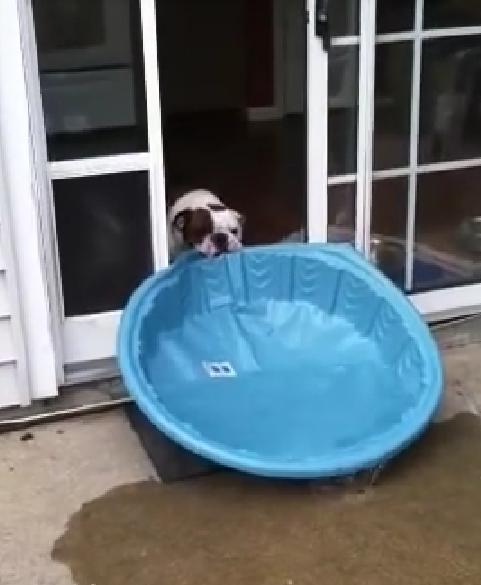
column 450, row 115
column 343, row 105
column 104, row 239
column 342, row 212
column 103, row 173
column 425, row 220
column 448, row 229
column 392, row 105
column 451, row 13
column 394, row 16
column 344, row 18
column 91, row 77
column 389, row 206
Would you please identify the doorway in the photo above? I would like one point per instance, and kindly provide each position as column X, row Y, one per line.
column 233, row 95
column 371, row 141
column 131, row 112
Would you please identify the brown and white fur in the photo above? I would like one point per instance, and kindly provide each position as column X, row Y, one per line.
column 198, row 219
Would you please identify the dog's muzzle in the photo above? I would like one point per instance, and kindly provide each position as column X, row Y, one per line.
column 220, row 241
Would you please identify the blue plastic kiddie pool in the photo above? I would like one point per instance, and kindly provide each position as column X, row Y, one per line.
column 295, row 361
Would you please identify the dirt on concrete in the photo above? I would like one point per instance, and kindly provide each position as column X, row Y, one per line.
column 420, row 526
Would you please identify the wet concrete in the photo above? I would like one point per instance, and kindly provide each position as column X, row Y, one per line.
column 45, row 479
column 420, row 526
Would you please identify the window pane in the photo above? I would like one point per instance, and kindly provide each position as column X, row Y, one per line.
column 394, row 15
column 343, row 102
column 450, row 13
column 104, row 243
column 448, row 229
column 342, row 213
column 388, row 227
column 344, row 17
column 91, row 77
column 392, row 105
column 450, row 99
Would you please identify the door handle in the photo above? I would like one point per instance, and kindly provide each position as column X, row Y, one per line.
column 322, row 23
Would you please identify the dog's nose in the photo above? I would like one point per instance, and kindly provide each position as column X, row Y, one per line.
column 220, row 241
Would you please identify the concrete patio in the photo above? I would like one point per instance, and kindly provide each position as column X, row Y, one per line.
column 47, row 476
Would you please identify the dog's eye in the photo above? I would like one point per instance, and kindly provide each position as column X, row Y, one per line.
column 234, row 231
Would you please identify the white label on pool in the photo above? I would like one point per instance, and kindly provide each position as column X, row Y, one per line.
column 219, row 369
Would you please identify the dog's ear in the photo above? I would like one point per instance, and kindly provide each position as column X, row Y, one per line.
column 181, row 219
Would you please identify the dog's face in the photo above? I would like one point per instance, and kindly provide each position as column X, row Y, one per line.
column 212, row 230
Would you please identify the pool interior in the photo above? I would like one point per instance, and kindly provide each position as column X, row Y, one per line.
column 282, row 374
column 239, row 350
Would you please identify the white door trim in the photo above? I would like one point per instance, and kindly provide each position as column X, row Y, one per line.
column 448, row 303
column 23, row 193
column 158, row 212
column 317, row 110
column 41, row 182
column 98, row 165
column 100, row 329
column 414, row 143
column 367, row 56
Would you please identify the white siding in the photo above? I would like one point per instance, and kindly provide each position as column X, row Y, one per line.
column 13, row 378
column 12, row 381
column 4, row 303
column 13, row 374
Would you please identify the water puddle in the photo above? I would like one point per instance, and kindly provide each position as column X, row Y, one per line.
column 421, row 524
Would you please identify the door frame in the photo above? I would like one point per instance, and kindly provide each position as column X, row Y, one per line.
column 89, row 339
column 31, row 194
column 42, row 371
column 317, row 129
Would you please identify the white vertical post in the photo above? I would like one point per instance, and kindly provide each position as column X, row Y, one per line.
column 154, row 120
column 414, row 144
column 367, row 56
column 41, row 182
column 317, row 112
column 15, row 141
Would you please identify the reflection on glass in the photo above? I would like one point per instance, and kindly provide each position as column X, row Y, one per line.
column 392, row 117
column 91, row 77
column 344, row 17
column 450, row 99
column 388, row 228
column 343, row 109
column 448, row 229
column 394, row 16
column 103, row 232
column 450, row 13
column 341, row 213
